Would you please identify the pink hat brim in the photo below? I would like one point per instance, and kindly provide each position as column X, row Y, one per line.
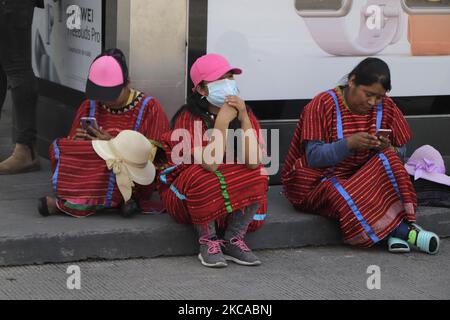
column 216, row 75
column 430, row 176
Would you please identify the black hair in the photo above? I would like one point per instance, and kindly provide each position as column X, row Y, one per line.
column 370, row 71
column 198, row 106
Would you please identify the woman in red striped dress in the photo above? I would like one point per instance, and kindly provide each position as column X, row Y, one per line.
column 341, row 165
column 214, row 194
column 82, row 182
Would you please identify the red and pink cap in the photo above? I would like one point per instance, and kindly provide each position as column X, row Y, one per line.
column 108, row 75
column 210, row 67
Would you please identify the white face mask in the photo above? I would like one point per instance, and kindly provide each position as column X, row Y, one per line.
column 219, row 90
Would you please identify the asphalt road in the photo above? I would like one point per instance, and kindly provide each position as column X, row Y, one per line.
column 309, row 273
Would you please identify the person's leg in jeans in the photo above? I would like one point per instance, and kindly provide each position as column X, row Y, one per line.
column 15, row 56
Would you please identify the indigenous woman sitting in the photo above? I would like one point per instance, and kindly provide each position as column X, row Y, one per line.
column 82, row 183
column 343, row 163
column 207, row 191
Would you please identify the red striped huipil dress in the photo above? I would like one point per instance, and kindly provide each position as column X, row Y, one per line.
column 370, row 192
column 81, row 180
column 193, row 195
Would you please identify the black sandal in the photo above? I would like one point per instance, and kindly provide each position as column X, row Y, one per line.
column 129, row 209
column 43, row 207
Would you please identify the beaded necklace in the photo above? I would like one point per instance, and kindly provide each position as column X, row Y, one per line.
column 133, row 100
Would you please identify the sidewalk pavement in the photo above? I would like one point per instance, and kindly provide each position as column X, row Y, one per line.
column 333, row 272
column 27, row 238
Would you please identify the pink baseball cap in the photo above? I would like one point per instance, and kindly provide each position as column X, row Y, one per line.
column 107, row 77
column 210, row 67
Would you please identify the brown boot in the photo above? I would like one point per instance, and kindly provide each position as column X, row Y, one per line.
column 22, row 160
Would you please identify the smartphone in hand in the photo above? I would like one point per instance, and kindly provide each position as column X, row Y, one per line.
column 384, row 133
column 88, row 121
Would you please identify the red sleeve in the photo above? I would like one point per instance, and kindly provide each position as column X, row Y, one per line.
column 187, row 131
column 157, row 124
column 257, row 127
column 401, row 131
column 191, row 129
column 194, row 127
column 83, row 111
column 314, row 124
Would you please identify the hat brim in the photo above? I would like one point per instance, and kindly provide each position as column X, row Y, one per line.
column 217, row 74
column 430, row 176
column 102, row 149
column 105, row 94
column 143, row 176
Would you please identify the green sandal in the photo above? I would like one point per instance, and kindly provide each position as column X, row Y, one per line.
column 396, row 245
column 427, row 241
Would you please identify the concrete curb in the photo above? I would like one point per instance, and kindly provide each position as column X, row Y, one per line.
column 27, row 238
